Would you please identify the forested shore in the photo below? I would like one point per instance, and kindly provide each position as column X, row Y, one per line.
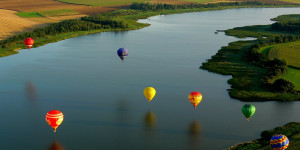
column 119, row 20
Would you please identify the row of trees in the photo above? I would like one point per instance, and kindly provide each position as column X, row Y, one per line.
column 286, row 26
column 276, row 67
column 83, row 24
column 255, row 56
column 160, row 6
column 106, row 21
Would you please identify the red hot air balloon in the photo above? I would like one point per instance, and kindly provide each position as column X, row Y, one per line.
column 29, row 42
column 195, row 98
column 54, row 118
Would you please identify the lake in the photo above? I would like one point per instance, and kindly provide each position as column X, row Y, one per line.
column 102, row 98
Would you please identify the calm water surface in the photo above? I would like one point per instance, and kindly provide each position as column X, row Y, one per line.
column 102, row 98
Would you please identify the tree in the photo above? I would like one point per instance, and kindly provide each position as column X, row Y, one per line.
column 282, row 85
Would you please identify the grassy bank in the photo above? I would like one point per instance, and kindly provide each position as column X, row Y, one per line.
column 129, row 16
column 291, row 130
column 249, row 76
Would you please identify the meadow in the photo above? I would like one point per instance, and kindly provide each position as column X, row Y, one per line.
column 293, row 75
column 50, row 13
column 290, row 52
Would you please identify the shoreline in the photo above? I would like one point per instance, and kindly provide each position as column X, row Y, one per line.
column 291, row 130
column 133, row 22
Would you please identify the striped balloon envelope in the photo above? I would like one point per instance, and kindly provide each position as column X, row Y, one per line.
column 28, row 42
column 54, row 118
column 279, row 142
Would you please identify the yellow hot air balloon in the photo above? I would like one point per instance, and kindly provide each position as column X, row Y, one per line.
column 149, row 93
column 195, row 98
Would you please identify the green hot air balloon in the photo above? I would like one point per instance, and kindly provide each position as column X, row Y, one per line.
column 248, row 110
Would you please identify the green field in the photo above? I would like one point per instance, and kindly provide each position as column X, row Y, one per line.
column 51, row 13
column 61, row 12
column 102, row 2
column 293, row 75
column 265, row 50
column 29, row 14
column 290, row 52
column 292, row 1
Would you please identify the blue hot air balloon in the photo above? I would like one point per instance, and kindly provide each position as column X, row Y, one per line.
column 122, row 52
column 279, row 141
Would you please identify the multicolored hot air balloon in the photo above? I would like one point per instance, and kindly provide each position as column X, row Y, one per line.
column 28, row 42
column 195, row 98
column 248, row 110
column 54, row 118
column 149, row 93
column 122, row 52
column 279, row 142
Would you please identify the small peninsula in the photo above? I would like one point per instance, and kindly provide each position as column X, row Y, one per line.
column 264, row 69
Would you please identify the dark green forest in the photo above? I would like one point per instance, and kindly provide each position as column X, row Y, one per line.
column 286, row 26
column 160, row 6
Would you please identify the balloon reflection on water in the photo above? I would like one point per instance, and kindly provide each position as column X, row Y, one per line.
column 194, row 134
column 150, row 120
column 31, row 91
column 55, row 146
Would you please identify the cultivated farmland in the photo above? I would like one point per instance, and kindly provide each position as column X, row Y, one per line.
column 39, row 13
column 12, row 24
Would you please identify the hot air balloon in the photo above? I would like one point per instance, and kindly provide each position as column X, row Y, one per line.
column 122, row 52
column 195, row 98
column 279, row 142
column 29, row 42
column 149, row 93
column 248, row 110
column 54, row 118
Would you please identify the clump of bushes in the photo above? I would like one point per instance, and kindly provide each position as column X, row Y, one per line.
column 282, row 85
column 286, row 26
